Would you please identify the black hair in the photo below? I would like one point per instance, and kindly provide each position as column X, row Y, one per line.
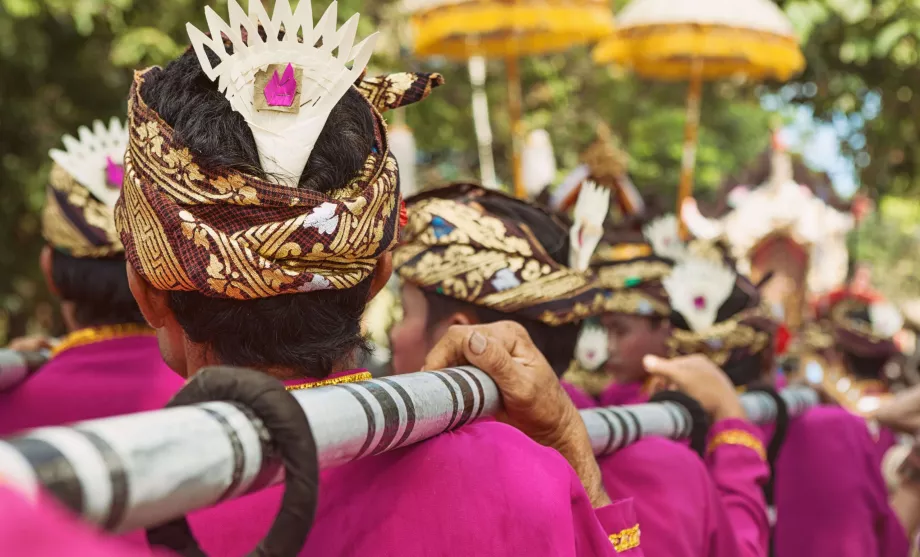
column 556, row 343
column 98, row 288
column 307, row 332
column 865, row 367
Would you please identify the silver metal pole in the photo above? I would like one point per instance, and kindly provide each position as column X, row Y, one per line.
column 139, row 470
column 16, row 366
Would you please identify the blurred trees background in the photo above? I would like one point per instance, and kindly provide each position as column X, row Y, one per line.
column 64, row 63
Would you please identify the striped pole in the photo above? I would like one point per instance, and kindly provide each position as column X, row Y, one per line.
column 16, row 366
column 615, row 427
column 139, row 470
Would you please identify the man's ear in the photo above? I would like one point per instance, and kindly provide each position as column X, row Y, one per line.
column 153, row 303
column 381, row 275
column 46, row 262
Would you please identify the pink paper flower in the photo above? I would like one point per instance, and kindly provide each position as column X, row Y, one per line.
column 280, row 91
column 114, row 173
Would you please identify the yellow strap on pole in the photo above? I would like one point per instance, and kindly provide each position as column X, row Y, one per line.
column 691, row 127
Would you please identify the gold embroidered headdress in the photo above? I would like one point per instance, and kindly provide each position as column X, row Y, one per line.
column 85, row 181
column 454, row 247
column 863, row 325
column 629, row 267
column 231, row 234
column 718, row 313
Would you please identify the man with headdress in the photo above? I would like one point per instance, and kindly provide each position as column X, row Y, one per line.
column 828, row 492
column 109, row 362
column 471, row 255
column 259, row 210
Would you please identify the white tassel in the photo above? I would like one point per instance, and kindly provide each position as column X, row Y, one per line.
column 402, row 145
column 591, row 351
column 538, row 162
column 886, row 320
column 664, row 236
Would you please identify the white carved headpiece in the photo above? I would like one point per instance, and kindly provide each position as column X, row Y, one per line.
column 97, row 159
column 588, row 227
column 886, row 319
column 697, row 288
column 284, row 88
column 663, row 234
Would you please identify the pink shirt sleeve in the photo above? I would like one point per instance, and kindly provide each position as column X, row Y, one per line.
column 736, row 458
column 25, row 528
column 607, row 531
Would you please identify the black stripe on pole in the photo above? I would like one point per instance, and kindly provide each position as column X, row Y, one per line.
column 368, row 413
column 390, row 415
column 611, row 428
column 271, row 462
column 455, row 406
column 482, row 400
column 638, row 424
column 118, row 477
column 466, row 392
column 620, row 443
column 239, row 456
column 410, row 409
column 53, row 471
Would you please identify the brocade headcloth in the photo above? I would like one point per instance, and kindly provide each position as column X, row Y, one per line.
column 85, row 181
column 718, row 313
column 453, row 246
column 230, row 234
column 862, row 325
column 630, row 269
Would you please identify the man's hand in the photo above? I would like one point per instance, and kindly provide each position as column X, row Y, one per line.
column 30, row 344
column 700, row 378
column 533, row 400
column 902, row 413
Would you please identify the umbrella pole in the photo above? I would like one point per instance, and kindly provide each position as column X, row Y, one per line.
column 477, row 67
column 691, row 127
column 514, row 109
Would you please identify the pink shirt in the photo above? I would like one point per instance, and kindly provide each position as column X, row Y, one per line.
column 484, row 489
column 830, row 495
column 44, row 529
column 98, row 380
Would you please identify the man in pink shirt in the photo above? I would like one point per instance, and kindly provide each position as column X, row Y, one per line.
column 256, row 230
column 109, row 362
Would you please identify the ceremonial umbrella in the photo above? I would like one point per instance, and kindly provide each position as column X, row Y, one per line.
column 702, row 39
column 508, row 29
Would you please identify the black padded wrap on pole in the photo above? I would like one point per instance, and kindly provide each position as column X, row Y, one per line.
column 291, row 438
column 781, row 426
column 700, row 420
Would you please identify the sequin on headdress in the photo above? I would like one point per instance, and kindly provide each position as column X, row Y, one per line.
column 452, row 246
column 230, row 234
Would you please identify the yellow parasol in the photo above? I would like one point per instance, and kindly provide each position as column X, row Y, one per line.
column 702, row 39
column 508, row 29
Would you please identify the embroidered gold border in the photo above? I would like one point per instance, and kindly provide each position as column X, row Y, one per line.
column 92, row 335
column 626, row 539
column 353, row 378
column 737, row 437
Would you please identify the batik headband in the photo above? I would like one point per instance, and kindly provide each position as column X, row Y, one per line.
column 864, row 327
column 83, row 186
column 633, row 273
column 717, row 313
column 231, row 234
column 452, row 246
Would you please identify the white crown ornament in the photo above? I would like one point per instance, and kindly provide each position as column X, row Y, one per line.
column 590, row 212
column 697, row 289
column 591, row 350
column 886, row 320
column 97, row 159
column 284, row 88
column 663, row 234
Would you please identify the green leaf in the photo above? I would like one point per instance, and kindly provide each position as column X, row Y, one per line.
column 889, row 36
column 21, row 8
column 143, row 44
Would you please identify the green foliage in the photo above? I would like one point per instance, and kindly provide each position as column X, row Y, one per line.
column 888, row 241
column 64, row 63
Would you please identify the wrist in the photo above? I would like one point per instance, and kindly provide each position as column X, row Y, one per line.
column 574, row 445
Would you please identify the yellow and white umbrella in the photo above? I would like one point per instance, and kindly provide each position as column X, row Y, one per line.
column 507, row 29
column 693, row 40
